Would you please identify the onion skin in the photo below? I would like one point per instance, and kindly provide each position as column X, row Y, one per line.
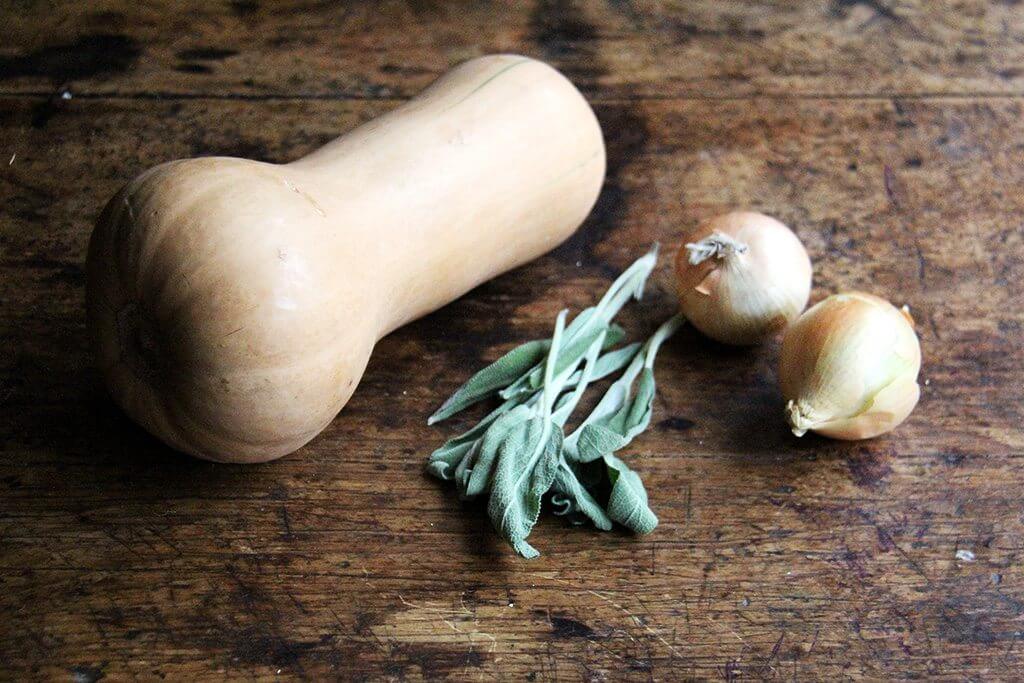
column 848, row 367
column 744, row 298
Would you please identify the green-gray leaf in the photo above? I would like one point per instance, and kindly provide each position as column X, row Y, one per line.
column 615, row 432
column 607, row 363
column 498, row 375
column 595, row 442
column 568, row 356
column 567, row 403
column 616, row 412
column 526, row 467
column 518, row 452
column 478, row 477
column 576, row 350
column 574, row 498
column 627, row 504
column 444, row 459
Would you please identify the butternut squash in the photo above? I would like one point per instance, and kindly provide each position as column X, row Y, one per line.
column 233, row 304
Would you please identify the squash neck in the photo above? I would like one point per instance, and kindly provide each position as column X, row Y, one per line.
column 495, row 164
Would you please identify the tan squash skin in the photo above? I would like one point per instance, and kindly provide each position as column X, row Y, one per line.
column 233, row 304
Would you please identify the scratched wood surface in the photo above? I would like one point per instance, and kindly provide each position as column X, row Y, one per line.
column 889, row 135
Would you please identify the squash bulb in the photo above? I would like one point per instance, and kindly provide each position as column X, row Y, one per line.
column 742, row 277
column 233, row 304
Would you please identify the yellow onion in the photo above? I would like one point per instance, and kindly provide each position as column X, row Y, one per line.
column 742, row 277
column 848, row 367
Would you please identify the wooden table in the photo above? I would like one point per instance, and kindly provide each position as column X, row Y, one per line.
column 889, row 135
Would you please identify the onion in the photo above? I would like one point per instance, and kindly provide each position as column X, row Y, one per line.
column 742, row 277
column 848, row 367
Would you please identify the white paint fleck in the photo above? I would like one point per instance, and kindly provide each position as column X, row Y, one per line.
column 285, row 303
column 965, row 555
column 927, row 382
column 295, row 280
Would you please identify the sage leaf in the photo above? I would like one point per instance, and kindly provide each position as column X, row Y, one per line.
column 629, row 284
column 568, row 402
column 518, row 453
column 569, row 357
column 615, row 432
column 614, row 399
column 523, row 384
column 607, row 363
column 618, row 417
column 573, row 498
column 595, row 441
column 616, row 414
column 495, row 376
column 527, row 462
column 583, row 328
column 486, row 455
column 465, row 468
column 526, row 468
column 443, row 460
column 627, row 503
column 577, row 350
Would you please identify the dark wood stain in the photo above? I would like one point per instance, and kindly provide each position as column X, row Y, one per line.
column 205, row 54
column 88, row 56
column 243, row 8
column 686, row 32
column 194, row 68
column 255, row 648
column 868, row 467
column 857, row 123
column 51, row 106
column 676, row 424
column 567, row 627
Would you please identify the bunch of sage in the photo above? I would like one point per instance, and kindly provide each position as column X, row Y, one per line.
column 519, row 452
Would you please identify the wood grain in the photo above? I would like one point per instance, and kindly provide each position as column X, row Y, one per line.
column 775, row 557
column 305, row 48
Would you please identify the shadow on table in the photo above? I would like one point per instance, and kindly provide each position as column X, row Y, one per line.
column 66, row 428
column 744, row 413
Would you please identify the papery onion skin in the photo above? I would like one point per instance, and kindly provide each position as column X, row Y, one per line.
column 848, row 367
column 744, row 298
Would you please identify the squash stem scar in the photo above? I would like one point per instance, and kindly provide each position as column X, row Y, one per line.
column 583, row 164
column 488, row 80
